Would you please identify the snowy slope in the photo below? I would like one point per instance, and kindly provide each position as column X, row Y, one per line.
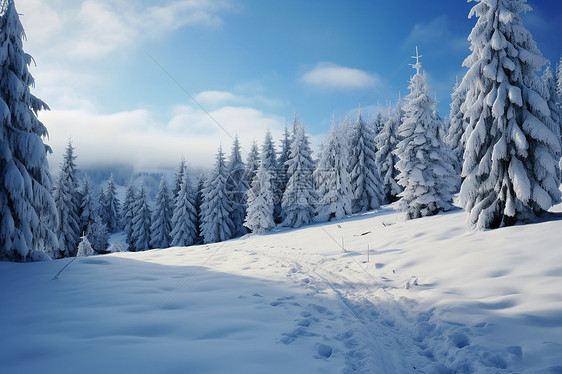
column 433, row 298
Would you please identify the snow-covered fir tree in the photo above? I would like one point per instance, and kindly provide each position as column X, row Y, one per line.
column 284, row 155
column 84, row 248
column 252, row 162
column 141, row 223
column 111, row 207
column 378, row 124
column 236, row 188
column 184, row 219
column 216, row 224
column 269, row 157
column 559, row 78
column 299, row 198
column 385, row 158
column 88, row 208
column 260, row 212
column 67, row 200
column 161, row 224
column 455, row 131
column 426, row 174
column 366, row 183
column 127, row 214
column 27, row 209
column 332, row 178
column 511, row 152
column 98, row 234
column 178, row 180
column 199, row 203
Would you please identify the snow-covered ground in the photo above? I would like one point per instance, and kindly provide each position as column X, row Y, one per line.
column 432, row 298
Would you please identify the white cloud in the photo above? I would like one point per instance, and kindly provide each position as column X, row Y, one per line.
column 136, row 138
column 436, row 32
column 215, row 99
column 329, row 75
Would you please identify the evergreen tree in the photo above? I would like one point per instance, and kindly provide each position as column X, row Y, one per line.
column 366, row 184
column 454, row 137
column 553, row 100
column 141, row 223
column 67, row 201
column 111, row 207
column 333, row 181
column 559, row 78
column 509, row 168
column 87, row 206
column 299, row 199
column 161, row 227
column 236, row 187
column 128, row 213
column 259, row 216
column 84, row 248
column 428, row 179
column 27, row 209
column 216, row 224
column 198, row 204
column 252, row 162
column 269, row 157
column 385, row 158
column 180, row 173
column 98, row 234
column 184, row 219
column 378, row 124
column 282, row 176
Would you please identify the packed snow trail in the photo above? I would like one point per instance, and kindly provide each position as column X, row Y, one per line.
column 433, row 299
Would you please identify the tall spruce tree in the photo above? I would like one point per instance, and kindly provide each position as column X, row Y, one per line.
column 269, row 157
column 236, row 187
column 111, row 207
column 454, row 137
column 366, row 183
column 510, row 160
column 332, row 179
column 385, row 158
column 559, row 78
column 553, row 100
column 128, row 213
column 67, row 200
column 98, row 234
column 216, row 221
column 180, row 173
column 426, row 174
column 199, row 203
column 27, row 209
column 184, row 219
column 141, row 223
column 87, row 206
column 299, row 198
column 261, row 207
column 161, row 224
column 252, row 162
column 284, row 155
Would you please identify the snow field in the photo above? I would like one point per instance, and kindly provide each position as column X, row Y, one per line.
column 433, row 298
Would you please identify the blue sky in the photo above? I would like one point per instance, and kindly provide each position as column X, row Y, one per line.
column 250, row 63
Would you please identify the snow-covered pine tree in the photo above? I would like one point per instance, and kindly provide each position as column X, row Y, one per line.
column 141, row 223
column 216, row 224
column 84, row 248
column 366, row 183
column 428, row 179
column 332, row 178
column 559, row 78
column 455, row 131
column 67, row 200
column 98, row 234
column 198, row 203
column 378, row 124
column 111, row 207
column 161, row 226
column 87, row 206
column 299, row 198
column 260, row 212
column 385, row 158
column 252, row 162
column 284, row 155
column 127, row 214
column 180, row 173
column 511, row 153
column 236, row 187
column 184, row 219
column 27, row 209
column 269, row 157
